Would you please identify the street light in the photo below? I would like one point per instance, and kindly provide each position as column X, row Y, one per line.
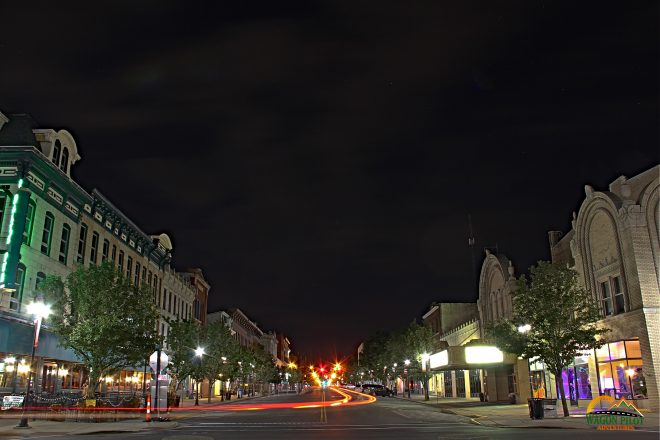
column 524, row 328
column 199, row 352
column 40, row 311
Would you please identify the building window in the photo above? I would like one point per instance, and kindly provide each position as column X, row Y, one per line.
column 29, row 223
column 40, row 277
column 17, row 295
column 169, row 303
column 137, row 274
column 47, row 235
column 64, row 243
column 64, row 163
column 619, row 302
column 105, row 250
column 198, row 308
column 620, row 370
column 56, row 153
column 93, row 253
column 159, row 297
column 612, row 296
column 149, row 279
column 82, row 243
column 144, row 274
column 114, row 253
column 475, row 383
column 120, row 263
column 129, row 268
column 3, row 203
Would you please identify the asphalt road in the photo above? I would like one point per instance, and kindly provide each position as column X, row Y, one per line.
column 388, row 418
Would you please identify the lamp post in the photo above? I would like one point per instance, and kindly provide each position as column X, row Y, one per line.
column 199, row 352
column 40, row 311
column 425, row 365
column 407, row 363
column 524, row 329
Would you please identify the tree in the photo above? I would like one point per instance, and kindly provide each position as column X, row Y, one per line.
column 182, row 338
column 561, row 317
column 222, row 353
column 104, row 319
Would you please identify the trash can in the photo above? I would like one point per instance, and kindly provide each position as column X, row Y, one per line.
column 535, row 408
column 549, row 408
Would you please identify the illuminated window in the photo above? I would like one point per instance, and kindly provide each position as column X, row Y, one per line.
column 94, row 250
column 82, row 243
column 29, row 223
column 620, row 370
column 47, row 234
column 64, row 243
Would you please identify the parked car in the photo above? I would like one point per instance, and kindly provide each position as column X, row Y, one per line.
column 377, row 390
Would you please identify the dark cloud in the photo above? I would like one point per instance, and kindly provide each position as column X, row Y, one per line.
column 319, row 159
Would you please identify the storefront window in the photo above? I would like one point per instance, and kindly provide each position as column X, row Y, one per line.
column 633, row 350
column 475, row 383
column 617, row 350
column 622, row 376
column 460, row 383
column 603, row 353
column 448, row 384
column 583, row 382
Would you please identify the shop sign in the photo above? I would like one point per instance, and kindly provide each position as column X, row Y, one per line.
column 609, row 414
column 11, row 402
column 483, row 354
column 439, row 359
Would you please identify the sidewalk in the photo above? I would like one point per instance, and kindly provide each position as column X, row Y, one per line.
column 517, row 416
column 8, row 421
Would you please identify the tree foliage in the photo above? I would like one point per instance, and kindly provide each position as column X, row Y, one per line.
column 562, row 318
column 105, row 320
column 384, row 349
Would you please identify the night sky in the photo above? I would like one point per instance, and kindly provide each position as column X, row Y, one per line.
column 319, row 159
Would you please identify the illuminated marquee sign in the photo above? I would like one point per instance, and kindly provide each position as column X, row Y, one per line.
column 440, row 359
column 483, row 355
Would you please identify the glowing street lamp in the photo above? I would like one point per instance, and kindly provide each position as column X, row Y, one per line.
column 524, row 328
column 40, row 311
column 199, row 352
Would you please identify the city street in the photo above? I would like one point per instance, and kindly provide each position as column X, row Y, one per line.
column 291, row 416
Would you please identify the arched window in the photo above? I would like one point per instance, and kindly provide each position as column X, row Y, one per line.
column 64, row 163
column 56, row 152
